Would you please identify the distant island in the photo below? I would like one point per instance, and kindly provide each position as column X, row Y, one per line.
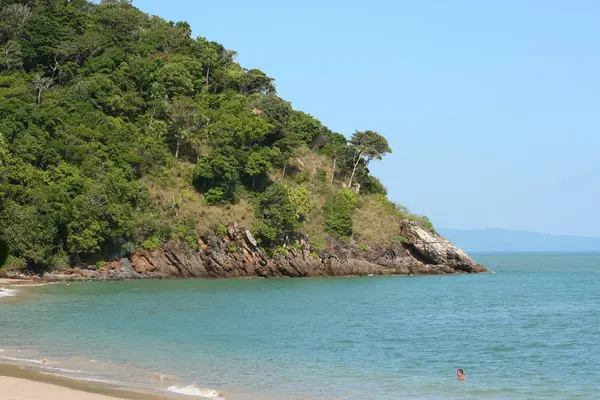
column 505, row 240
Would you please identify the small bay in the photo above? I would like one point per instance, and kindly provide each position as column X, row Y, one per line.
column 529, row 330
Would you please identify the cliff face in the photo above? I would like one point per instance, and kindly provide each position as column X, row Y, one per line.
column 237, row 255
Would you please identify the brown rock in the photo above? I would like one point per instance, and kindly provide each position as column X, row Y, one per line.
column 421, row 253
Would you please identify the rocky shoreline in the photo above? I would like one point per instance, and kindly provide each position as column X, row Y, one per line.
column 419, row 252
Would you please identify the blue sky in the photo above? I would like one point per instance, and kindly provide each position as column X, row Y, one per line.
column 492, row 108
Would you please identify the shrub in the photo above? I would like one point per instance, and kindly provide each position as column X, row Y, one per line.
column 338, row 213
column 302, row 177
column 278, row 213
column 264, row 234
column 215, row 196
column 60, row 260
column 349, row 196
column 372, row 185
column 401, row 239
column 152, row 243
column 318, row 243
column 14, row 264
column 321, row 176
column 188, row 234
column 427, row 224
column 280, row 251
column 220, row 230
column 300, row 198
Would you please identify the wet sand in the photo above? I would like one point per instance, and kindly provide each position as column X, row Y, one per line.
column 9, row 282
column 17, row 383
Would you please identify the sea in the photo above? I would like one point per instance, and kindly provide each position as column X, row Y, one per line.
column 528, row 330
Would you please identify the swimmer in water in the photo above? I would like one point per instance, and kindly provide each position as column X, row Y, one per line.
column 460, row 374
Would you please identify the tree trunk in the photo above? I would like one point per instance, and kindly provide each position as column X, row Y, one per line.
column 354, row 170
column 177, row 146
column 283, row 172
column 253, row 181
column 207, row 72
column 40, row 96
column 333, row 169
column 151, row 120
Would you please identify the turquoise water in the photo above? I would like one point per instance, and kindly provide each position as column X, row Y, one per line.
column 529, row 331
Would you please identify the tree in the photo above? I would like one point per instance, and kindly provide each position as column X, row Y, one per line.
column 334, row 145
column 367, row 145
column 338, row 213
column 158, row 102
column 300, row 198
column 259, row 163
column 41, row 83
column 215, row 59
column 276, row 211
column 13, row 18
column 184, row 120
column 12, row 55
column 4, row 155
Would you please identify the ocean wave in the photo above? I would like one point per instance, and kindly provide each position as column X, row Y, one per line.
column 7, row 292
column 64, row 370
column 25, row 360
column 85, row 379
column 100, row 380
column 32, row 284
column 162, row 377
column 195, row 391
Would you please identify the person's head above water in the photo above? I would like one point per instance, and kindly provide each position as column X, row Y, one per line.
column 460, row 373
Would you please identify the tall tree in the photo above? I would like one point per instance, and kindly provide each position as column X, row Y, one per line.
column 184, row 120
column 368, row 145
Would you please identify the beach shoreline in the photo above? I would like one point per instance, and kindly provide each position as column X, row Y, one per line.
column 20, row 383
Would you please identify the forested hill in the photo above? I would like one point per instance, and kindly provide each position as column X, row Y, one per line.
column 119, row 131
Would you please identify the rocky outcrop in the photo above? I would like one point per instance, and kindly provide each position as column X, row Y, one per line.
column 432, row 248
column 420, row 252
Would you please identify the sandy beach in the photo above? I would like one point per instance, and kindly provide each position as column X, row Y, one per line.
column 23, row 389
column 11, row 282
column 18, row 383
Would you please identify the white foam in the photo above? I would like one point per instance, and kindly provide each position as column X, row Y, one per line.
column 7, row 292
column 98, row 380
column 194, row 391
column 25, row 360
column 79, row 378
column 65, row 370
column 31, row 285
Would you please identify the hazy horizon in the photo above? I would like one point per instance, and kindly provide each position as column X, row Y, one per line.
column 495, row 240
column 495, row 228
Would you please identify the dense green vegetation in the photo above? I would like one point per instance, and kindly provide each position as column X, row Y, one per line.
column 119, row 131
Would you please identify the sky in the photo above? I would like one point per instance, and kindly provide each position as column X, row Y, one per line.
column 492, row 108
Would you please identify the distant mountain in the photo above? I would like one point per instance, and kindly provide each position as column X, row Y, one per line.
column 504, row 240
